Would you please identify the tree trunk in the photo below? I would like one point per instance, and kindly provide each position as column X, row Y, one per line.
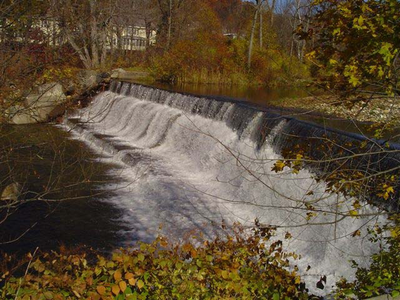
column 82, row 55
column 169, row 24
column 272, row 12
column 261, row 30
column 94, row 36
column 253, row 28
column 148, row 33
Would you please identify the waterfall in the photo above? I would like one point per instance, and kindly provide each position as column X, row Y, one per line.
column 188, row 162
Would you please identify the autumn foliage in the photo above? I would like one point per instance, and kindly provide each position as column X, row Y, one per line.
column 238, row 266
column 356, row 46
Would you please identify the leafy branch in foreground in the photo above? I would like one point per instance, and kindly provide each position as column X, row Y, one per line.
column 356, row 47
column 239, row 266
column 383, row 276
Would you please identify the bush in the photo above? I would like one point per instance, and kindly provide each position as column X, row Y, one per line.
column 211, row 58
column 383, row 276
column 239, row 266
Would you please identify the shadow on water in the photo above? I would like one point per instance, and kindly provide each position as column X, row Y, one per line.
column 64, row 187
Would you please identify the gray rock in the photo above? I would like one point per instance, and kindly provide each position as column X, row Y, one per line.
column 39, row 106
column 128, row 75
column 11, row 193
column 118, row 73
column 89, row 79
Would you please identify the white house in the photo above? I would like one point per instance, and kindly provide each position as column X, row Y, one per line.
column 133, row 37
column 127, row 38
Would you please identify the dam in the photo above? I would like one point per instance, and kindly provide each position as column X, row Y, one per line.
column 189, row 164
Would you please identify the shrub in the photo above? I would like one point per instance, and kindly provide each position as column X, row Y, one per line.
column 239, row 266
column 383, row 275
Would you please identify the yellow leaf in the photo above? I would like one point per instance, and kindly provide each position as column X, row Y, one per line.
column 333, row 61
column 225, row 274
column 353, row 213
column 395, row 232
column 361, row 20
column 336, row 31
column 297, row 280
column 278, row 166
column 122, row 286
column 128, row 276
column 356, row 205
column 101, row 290
column 115, row 289
column 311, row 55
column 354, row 81
column 310, row 215
column 381, row 72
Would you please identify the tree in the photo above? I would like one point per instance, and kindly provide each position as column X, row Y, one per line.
column 356, row 47
column 257, row 11
column 168, row 12
column 24, row 50
column 232, row 14
column 86, row 26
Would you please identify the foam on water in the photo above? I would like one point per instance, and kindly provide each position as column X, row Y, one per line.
column 187, row 171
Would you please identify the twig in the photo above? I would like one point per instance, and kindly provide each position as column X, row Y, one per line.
column 26, row 273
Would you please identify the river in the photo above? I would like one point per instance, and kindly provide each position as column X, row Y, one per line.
column 141, row 161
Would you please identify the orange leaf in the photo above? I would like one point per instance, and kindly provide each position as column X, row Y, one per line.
column 122, row 286
column 89, row 281
column 193, row 252
column 115, row 289
column 101, row 290
column 117, row 275
column 128, row 276
column 132, row 281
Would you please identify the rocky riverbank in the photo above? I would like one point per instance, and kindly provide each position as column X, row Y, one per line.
column 376, row 110
column 46, row 101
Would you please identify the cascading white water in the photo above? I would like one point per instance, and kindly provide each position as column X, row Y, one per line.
column 186, row 171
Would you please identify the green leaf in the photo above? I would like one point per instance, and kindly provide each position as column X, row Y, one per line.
column 128, row 291
column 48, row 295
column 140, row 284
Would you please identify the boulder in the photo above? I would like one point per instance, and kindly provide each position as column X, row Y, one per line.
column 118, row 73
column 11, row 193
column 122, row 74
column 89, row 79
column 39, row 106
